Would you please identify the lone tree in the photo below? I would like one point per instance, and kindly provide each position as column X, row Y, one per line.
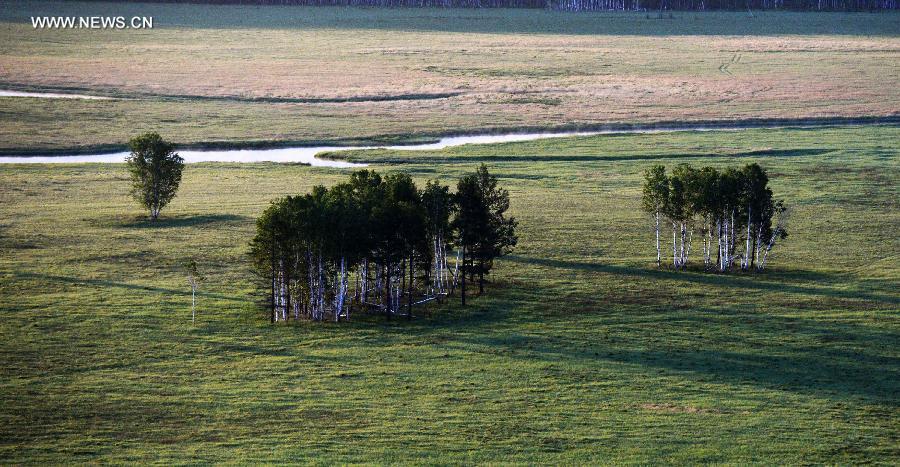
column 155, row 170
column 194, row 278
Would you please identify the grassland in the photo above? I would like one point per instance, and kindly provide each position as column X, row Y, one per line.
column 580, row 352
column 233, row 74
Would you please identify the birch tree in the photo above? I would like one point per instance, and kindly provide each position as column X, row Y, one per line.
column 439, row 205
column 194, row 278
column 368, row 189
column 384, row 231
column 780, row 215
column 345, row 241
column 655, row 196
column 735, row 208
column 677, row 211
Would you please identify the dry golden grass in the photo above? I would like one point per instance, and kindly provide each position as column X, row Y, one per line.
column 503, row 79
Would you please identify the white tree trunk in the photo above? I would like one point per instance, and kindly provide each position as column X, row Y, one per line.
column 687, row 251
column 674, row 245
column 747, row 253
column 758, row 245
column 769, row 246
column 321, row 288
column 731, row 241
column 311, row 285
column 658, row 252
column 721, row 244
column 342, row 291
column 456, row 268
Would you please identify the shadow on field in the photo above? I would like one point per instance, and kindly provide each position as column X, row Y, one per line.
column 737, row 280
column 823, row 372
column 835, row 359
column 143, row 222
column 121, row 285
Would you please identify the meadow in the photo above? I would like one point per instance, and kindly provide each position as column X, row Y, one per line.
column 236, row 74
column 581, row 351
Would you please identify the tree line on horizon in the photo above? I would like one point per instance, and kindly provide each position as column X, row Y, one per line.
column 384, row 236
column 729, row 209
column 587, row 5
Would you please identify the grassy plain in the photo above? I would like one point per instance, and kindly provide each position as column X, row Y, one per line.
column 580, row 352
column 239, row 73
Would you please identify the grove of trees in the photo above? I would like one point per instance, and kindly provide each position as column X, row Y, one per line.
column 379, row 243
column 155, row 170
column 733, row 211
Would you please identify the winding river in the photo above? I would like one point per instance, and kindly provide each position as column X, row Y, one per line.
column 307, row 155
column 51, row 95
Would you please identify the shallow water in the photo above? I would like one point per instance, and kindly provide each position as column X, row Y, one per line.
column 51, row 95
column 308, row 154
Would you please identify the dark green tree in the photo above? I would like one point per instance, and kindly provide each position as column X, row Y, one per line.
column 469, row 223
column 677, row 209
column 760, row 210
column 308, row 247
column 399, row 231
column 155, row 170
column 346, row 238
column 706, row 204
column 484, row 232
column 368, row 189
column 439, row 206
column 655, row 196
column 729, row 193
column 270, row 248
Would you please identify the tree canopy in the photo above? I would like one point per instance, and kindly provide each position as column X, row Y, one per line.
column 731, row 206
column 155, row 170
column 382, row 235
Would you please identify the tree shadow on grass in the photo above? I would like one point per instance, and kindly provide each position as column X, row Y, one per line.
column 811, row 371
column 825, row 358
column 834, row 360
column 122, row 285
column 169, row 221
column 769, row 281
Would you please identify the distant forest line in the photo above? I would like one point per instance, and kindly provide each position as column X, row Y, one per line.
column 588, row 5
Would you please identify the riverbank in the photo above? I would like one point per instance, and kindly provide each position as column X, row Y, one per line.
column 490, row 136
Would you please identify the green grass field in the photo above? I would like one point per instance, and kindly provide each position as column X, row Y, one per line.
column 580, row 351
column 275, row 74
